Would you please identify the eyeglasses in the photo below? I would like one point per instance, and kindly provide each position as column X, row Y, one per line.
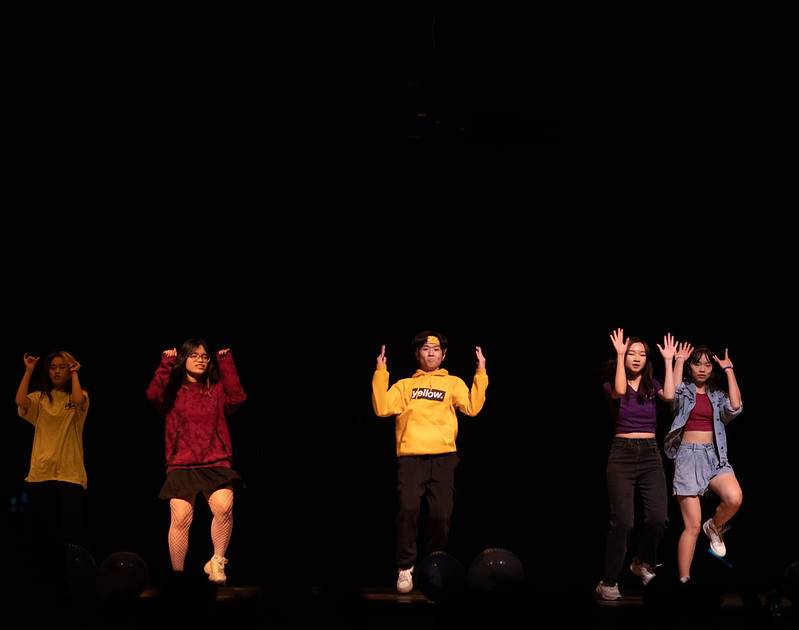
column 199, row 357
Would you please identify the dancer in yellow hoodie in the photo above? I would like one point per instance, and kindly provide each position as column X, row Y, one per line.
column 426, row 429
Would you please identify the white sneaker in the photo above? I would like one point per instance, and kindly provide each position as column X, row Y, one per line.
column 610, row 593
column 642, row 570
column 405, row 580
column 215, row 569
column 717, row 545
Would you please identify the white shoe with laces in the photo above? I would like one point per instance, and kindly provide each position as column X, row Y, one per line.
column 642, row 570
column 215, row 569
column 609, row 593
column 405, row 580
column 717, row 545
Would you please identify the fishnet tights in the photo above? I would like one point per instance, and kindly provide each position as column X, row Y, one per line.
column 221, row 503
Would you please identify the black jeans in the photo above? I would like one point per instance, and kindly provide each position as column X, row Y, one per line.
column 634, row 463
column 432, row 477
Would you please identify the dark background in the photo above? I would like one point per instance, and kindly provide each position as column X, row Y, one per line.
column 267, row 182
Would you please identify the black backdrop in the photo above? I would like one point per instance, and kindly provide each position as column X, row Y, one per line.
column 280, row 196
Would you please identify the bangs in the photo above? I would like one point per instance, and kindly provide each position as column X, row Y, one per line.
column 699, row 353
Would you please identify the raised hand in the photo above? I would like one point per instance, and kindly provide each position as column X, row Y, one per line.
column 481, row 360
column 684, row 350
column 669, row 348
column 618, row 341
column 381, row 360
column 30, row 362
column 725, row 362
column 171, row 353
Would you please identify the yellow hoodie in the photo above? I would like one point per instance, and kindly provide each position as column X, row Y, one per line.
column 425, row 407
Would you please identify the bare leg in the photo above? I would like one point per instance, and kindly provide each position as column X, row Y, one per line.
column 691, row 510
column 729, row 491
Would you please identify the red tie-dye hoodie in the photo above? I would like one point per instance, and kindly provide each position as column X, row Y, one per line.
column 196, row 426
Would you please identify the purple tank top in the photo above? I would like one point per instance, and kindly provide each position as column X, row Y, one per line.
column 631, row 416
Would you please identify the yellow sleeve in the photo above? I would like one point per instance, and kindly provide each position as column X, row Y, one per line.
column 386, row 402
column 31, row 414
column 471, row 401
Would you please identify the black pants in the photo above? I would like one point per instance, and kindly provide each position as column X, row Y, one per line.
column 58, row 513
column 431, row 477
column 634, row 464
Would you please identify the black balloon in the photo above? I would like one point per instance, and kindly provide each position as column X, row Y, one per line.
column 440, row 577
column 122, row 573
column 495, row 571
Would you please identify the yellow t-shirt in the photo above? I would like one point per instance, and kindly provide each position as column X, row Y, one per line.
column 57, row 453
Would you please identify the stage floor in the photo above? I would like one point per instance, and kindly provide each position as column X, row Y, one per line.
column 384, row 608
column 197, row 604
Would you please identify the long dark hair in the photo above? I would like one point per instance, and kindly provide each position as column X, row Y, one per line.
column 178, row 377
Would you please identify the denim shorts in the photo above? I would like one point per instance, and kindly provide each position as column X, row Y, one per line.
column 695, row 466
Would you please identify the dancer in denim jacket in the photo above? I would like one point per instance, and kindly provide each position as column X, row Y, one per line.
column 697, row 441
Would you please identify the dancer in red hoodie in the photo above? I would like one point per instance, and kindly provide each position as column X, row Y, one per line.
column 195, row 391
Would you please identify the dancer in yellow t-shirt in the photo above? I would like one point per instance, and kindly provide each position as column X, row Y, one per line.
column 57, row 478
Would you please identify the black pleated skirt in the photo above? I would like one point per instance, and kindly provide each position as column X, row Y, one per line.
column 186, row 483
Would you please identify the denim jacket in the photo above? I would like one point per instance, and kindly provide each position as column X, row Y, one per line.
column 682, row 405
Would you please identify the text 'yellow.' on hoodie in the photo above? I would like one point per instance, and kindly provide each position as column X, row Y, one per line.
column 425, row 406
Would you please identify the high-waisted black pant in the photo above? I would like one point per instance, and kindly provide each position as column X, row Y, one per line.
column 634, row 464
column 431, row 477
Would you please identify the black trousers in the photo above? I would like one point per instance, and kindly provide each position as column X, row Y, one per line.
column 431, row 477
column 58, row 513
column 634, row 464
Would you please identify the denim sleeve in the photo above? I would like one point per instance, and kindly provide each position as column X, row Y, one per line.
column 727, row 412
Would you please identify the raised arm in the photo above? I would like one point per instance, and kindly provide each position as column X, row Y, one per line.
column 22, row 399
column 620, row 380
column 230, row 381
column 684, row 351
column 667, row 350
column 732, row 382
column 385, row 401
column 78, row 399
column 157, row 386
column 481, row 360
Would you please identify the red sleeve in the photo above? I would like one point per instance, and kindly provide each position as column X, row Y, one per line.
column 234, row 394
column 157, row 387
